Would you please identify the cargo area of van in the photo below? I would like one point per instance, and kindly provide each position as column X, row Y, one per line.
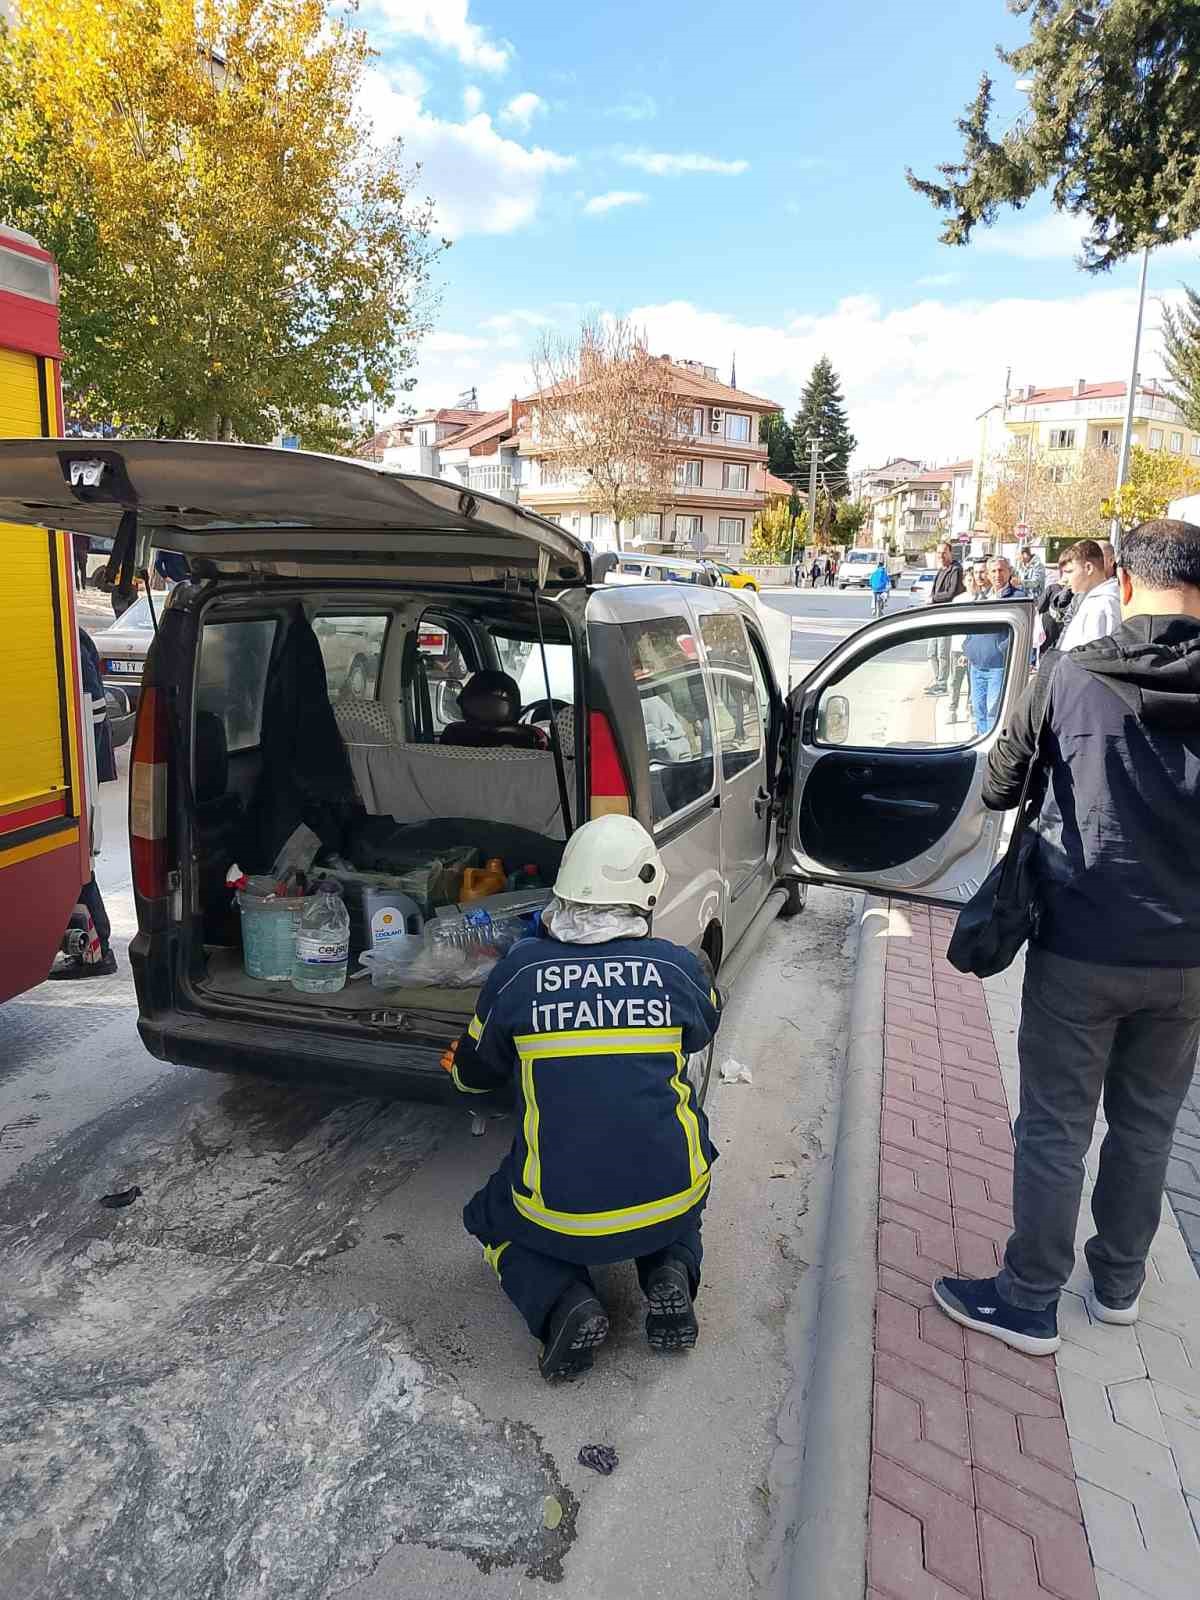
column 330, row 743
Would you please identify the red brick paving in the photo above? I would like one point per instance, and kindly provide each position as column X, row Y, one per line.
column 972, row 1488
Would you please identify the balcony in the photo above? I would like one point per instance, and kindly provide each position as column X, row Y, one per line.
column 493, row 479
column 708, row 491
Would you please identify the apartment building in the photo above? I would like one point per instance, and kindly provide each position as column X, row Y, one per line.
column 1066, row 422
column 876, row 483
column 477, row 449
column 720, row 472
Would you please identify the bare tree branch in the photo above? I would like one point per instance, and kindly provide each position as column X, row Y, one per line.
column 606, row 412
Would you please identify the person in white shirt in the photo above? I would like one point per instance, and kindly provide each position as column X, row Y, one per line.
column 1099, row 610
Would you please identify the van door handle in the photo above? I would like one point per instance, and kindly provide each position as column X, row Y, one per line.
column 761, row 801
column 908, row 808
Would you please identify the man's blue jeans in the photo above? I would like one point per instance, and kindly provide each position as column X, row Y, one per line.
column 987, row 685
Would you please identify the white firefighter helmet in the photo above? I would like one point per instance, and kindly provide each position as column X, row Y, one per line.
column 611, row 861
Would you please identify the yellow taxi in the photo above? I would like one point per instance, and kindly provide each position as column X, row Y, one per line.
column 735, row 579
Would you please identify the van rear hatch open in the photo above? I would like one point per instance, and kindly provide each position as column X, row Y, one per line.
column 233, row 508
column 283, row 536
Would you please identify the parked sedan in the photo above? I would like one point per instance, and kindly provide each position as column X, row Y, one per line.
column 123, row 650
column 922, row 585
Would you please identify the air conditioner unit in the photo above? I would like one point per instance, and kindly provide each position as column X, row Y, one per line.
column 717, row 425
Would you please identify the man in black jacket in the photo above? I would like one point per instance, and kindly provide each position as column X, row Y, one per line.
column 1111, row 1003
column 947, row 586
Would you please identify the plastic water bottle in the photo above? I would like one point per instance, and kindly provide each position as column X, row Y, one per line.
column 322, row 943
column 473, row 930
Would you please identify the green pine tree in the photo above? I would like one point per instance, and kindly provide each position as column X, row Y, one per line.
column 823, row 413
column 773, row 431
column 1181, row 353
column 1110, row 131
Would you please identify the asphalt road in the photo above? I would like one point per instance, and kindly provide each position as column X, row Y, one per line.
column 284, row 1371
column 822, row 618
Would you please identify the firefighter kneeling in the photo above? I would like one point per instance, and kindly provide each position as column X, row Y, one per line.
column 593, row 1021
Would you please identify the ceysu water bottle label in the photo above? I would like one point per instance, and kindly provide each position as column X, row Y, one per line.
column 477, row 919
column 322, row 952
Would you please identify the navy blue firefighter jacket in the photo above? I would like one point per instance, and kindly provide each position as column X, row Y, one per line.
column 594, row 1038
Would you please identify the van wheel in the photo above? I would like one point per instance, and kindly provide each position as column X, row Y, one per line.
column 797, row 899
column 698, row 1071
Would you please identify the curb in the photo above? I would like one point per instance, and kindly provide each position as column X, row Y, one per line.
column 829, row 1555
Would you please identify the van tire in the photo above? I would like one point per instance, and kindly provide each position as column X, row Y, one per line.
column 797, row 899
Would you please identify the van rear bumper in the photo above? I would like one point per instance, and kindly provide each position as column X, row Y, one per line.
column 389, row 1068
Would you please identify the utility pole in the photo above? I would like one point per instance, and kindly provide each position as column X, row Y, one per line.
column 814, row 445
column 1130, row 400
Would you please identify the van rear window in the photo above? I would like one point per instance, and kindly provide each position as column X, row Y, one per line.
column 679, row 736
column 232, row 678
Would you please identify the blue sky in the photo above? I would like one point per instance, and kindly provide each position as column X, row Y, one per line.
column 733, row 177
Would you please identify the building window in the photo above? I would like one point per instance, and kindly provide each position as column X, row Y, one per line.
column 689, row 474
column 648, row 527
column 737, row 427
column 1156, row 438
column 1062, row 438
column 1177, row 443
column 1059, row 474
column 1196, row 444
column 735, row 475
column 602, row 530
column 687, row 530
column 731, row 530
column 1108, row 438
column 691, row 424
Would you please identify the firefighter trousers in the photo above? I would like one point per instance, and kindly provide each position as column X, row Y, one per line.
column 535, row 1280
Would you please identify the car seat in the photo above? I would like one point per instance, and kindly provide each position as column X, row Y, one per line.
column 491, row 707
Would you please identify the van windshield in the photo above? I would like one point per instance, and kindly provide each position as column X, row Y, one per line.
column 522, row 660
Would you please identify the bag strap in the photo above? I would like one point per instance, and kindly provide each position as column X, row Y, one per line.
column 1045, row 676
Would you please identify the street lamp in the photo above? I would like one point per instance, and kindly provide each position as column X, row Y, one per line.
column 1127, row 430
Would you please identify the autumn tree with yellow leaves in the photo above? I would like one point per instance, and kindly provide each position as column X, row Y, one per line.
column 238, row 256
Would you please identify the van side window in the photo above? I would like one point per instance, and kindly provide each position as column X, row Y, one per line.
column 435, row 674
column 670, row 685
column 352, row 648
column 735, row 692
column 232, row 677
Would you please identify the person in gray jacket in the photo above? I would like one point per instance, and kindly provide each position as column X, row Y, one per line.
column 1111, row 1000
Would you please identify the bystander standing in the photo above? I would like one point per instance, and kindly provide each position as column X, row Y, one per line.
column 1111, row 1001
column 947, row 586
column 1098, row 612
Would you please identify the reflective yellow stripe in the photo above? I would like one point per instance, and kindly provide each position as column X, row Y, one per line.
column 712, row 995
column 464, row 1087
column 531, row 1177
column 697, row 1165
column 475, row 1029
column 600, row 1042
column 589, row 1223
column 492, row 1254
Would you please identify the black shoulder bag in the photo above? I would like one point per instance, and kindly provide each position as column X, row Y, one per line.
column 1002, row 913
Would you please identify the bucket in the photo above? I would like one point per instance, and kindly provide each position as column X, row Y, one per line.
column 268, row 934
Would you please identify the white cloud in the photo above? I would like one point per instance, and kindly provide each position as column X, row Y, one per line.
column 1058, row 237
column 472, row 100
column 938, row 280
column 521, row 110
column 480, row 181
column 446, row 24
column 661, row 164
column 599, row 203
column 915, row 377
column 638, row 108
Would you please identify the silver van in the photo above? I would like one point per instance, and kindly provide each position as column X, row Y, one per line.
column 310, row 672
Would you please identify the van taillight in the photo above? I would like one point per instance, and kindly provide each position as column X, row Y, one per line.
column 148, row 797
column 609, row 788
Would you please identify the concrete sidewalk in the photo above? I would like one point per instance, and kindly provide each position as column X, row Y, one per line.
column 994, row 1474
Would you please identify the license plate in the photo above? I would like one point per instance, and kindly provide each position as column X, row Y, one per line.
column 133, row 668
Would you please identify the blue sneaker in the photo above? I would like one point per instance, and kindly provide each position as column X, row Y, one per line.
column 976, row 1303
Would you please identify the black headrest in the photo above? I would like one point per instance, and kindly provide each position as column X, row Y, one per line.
column 212, row 758
column 491, row 700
